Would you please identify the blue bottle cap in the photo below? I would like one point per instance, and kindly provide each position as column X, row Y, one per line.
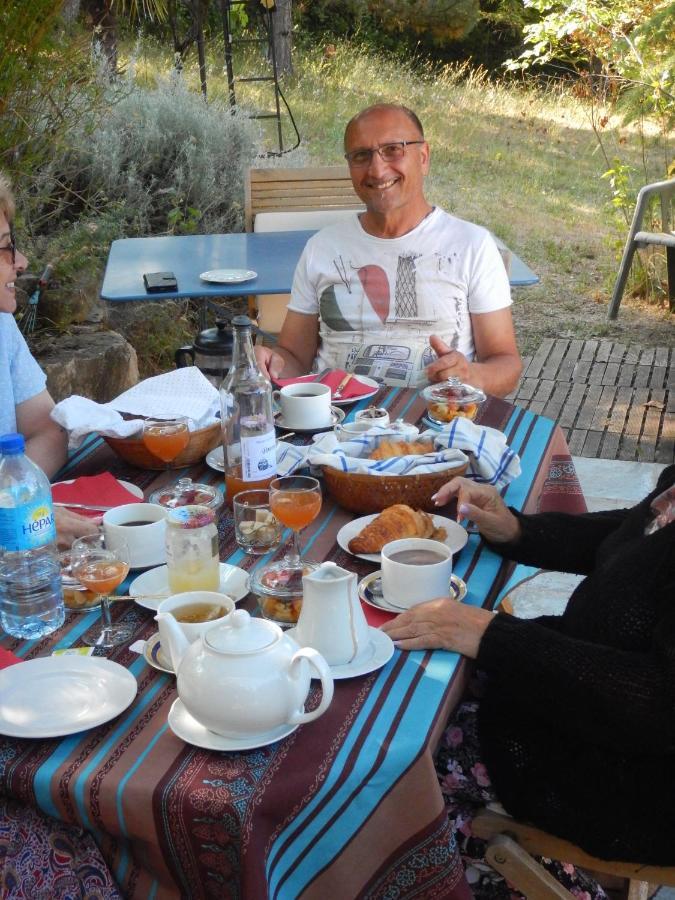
column 11, row 444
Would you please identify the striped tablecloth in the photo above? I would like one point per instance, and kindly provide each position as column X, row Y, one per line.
column 346, row 806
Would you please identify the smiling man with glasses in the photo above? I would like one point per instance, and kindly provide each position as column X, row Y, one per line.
column 403, row 292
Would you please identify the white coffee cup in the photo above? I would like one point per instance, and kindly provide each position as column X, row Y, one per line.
column 305, row 405
column 406, row 582
column 146, row 542
column 347, row 431
column 191, row 630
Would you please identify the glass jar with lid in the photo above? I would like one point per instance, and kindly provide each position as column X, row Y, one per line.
column 449, row 399
column 187, row 492
column 192, row 556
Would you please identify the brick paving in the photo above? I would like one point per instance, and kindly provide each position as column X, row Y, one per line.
column 612, row 401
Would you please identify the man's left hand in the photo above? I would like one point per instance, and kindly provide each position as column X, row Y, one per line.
column 450, row 363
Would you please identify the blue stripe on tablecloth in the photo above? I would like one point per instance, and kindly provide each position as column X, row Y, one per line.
column 287, row 874
column 90, row 443
column 367, row 782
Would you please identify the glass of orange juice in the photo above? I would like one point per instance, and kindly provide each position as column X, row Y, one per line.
column 166, row 438
column 295, row 500
column 101, row 569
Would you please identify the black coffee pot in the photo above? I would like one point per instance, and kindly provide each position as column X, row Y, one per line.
column 211, row 352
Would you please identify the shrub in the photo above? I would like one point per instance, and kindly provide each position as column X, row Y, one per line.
column 168, row 160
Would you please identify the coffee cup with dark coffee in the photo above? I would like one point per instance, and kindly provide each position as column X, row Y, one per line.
column 415, row 570
column 305, row 405
column 141, row 526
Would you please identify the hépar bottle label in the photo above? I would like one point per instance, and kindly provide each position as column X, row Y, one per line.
column 27, row 527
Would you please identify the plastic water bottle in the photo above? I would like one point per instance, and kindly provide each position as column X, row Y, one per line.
column 31, row 598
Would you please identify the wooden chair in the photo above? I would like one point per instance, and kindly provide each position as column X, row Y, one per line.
column 639, row 239
column 289, row 200
column 511, row 846
column 297, row 190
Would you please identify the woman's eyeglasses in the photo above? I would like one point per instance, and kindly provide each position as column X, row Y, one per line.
column 10, row 247
column 391, row 152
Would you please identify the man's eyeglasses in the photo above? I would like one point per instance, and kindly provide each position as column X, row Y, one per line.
column 11, row 247
column 391, row 152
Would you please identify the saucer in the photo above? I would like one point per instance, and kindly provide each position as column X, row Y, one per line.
column 189, row 730
column 216, row 459
column 370, row 591
column 228, row 276
column 154, row 655
column 381, row 651
column 336, row 415
column 150, row 588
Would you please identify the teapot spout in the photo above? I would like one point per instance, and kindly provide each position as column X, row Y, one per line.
column 172, row 638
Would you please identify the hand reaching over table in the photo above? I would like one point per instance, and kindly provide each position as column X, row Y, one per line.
column 483, row 504
column 70, row 525
column 441, row 624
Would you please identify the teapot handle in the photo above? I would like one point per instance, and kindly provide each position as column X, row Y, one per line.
column 319, row 664
column 182, row 355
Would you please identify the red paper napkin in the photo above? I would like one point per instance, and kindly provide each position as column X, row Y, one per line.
column 91, row 489
column 7, row 658
column 353, row 388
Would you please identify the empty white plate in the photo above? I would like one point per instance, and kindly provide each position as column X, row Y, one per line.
column 228, row 276
column 57, row 695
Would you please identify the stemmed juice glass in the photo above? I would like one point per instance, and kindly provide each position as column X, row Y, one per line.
column 295, row 500
column 101, row 569
column 166, row 438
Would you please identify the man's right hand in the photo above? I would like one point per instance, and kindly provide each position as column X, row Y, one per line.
column 483, row 504
column 271, row 363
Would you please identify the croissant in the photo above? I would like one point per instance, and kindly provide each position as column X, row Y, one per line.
column 389, row 448
column 398, row 521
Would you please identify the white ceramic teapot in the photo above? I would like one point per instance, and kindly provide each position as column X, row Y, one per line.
column 331, row 619
column 243, row 677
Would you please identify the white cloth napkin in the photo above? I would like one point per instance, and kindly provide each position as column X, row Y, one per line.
column 490, row 459
column 183, row 392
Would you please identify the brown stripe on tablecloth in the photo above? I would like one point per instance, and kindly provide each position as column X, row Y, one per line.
column 356, row 749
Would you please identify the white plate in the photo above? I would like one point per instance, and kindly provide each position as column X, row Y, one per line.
column 216, row 459
column 370, row 592
column 58, row 695
column 337, row 416
column 154, row 655
column 369, row 382
column 381, row 651
column 456, row 539
column 189, row 730
column 228, row 276
column 233, row 582
column 132, row 488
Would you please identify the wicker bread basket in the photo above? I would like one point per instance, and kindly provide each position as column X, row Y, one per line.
column 134, row 451
column 363, row 493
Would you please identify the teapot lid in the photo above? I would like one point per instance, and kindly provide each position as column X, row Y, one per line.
column 215, row 341
column 242, row 634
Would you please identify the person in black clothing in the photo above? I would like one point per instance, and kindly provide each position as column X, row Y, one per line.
column 577, row 723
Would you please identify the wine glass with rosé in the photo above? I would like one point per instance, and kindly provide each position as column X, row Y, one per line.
column 295, row 500
column 101, row 569
column 166, row 438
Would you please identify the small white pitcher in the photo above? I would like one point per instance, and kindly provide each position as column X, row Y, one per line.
column 331, row 619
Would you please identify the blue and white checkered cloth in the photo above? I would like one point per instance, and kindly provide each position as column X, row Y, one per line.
column 490, row 459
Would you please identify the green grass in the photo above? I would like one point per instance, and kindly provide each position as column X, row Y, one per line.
column 522, row 160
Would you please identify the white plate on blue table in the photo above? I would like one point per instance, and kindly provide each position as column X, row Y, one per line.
column 53, row 696
column 455, row 535
column 150, row 588
column 228, row 276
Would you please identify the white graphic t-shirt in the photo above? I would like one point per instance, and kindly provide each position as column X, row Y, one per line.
column 379, row 299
